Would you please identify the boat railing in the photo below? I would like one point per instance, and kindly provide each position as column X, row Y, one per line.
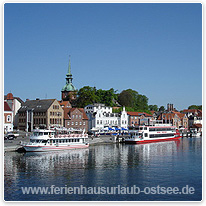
column 22, row 143
column 71, row 135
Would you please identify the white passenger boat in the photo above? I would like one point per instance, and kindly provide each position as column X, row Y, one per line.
column 47, row 140
column 152, row 133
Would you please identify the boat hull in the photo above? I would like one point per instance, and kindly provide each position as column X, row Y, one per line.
column 150, row 141
column 31, row 148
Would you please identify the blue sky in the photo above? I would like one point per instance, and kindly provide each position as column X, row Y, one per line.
column 155, row 49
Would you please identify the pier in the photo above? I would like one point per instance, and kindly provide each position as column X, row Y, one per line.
column 15, row 145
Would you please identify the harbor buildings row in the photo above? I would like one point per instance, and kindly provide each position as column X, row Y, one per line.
column 49, row 113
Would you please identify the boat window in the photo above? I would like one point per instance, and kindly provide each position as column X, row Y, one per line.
column 140, row 128
column 44, row 141
column 32, row 140
column 146, row 134
column 60, row 141
column 145, row 128
column 45, row 133
column 40, row 133
column 36, row 133
column 54, row 141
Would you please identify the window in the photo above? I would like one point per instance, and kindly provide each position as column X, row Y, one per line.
column 9, row 118
column 80, row 123
column 68, row 123
column 76, row 123
column 72, row 123
column 83, row 123
column 80, row 116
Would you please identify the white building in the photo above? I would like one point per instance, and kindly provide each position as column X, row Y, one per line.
column 8, row 118
column 15, row 104
column 101, row 116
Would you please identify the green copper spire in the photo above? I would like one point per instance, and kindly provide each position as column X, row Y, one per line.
column 69, row 69
column 69, row 86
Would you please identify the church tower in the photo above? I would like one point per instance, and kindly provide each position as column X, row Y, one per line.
column 69, row 91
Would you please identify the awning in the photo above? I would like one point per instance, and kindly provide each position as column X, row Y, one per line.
column 95, row 129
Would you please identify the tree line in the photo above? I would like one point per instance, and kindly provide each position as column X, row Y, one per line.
column 131, row 99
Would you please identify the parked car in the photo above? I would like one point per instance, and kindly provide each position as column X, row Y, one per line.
column 11, row 136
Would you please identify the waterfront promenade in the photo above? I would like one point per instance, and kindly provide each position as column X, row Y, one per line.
column 13, row 145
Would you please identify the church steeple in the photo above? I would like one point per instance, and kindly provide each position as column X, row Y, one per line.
column 69, row 90
column 69, row 75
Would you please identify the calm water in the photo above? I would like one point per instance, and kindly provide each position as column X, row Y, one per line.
column 167, row 164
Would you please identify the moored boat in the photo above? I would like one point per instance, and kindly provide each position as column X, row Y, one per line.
column 48, row 140
column 152, row 133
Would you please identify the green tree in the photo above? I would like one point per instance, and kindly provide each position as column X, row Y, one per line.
column 107, row 97
column 195, row 107
column 162, row 109
column 153, row 107
column 142, row 102
column 128, row 98
column 132, row 99
column 85, row 96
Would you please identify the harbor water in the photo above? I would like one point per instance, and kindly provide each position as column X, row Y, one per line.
column 156, row 165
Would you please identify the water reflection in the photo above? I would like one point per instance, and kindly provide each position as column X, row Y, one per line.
column 105, row 165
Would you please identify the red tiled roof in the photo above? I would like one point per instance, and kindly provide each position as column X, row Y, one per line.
column 84, row 113
column 197, row 125
column 65, row 103
column 189, row 111
column 67, row 112
column 139, row 114
column 6, row 107
column 166, row 116
column 171, row 115
column 9, row 96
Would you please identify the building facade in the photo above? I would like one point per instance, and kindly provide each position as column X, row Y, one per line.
column 139, row 118
column 194, row 117
column 15, row 104
column 8, row 118
column 45, row 113
column 75, row 118
column 101, row 116
column 177, row 119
